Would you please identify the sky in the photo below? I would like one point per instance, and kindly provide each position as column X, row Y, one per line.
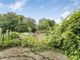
column 37, row 9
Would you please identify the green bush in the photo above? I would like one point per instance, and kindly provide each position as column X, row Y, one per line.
column 14, row 43
column 66, row 36
column 29, row 41
column 14, row 35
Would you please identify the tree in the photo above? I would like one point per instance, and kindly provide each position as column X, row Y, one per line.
column 26, row 25
column 31, row 23
column 9, row 21
column 45, row 23
column 12, row 21
column 66, row 36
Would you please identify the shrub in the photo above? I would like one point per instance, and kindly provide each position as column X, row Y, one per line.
column 29, row 41
column 14, row 43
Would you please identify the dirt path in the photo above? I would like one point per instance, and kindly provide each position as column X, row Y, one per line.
column 26, row 54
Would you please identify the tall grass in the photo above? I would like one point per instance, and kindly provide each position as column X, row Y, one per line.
column 0, row 36
column 13, row 39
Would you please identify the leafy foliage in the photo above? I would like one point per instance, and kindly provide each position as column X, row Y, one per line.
column 66, row 36
column 45, row 24
column 12, row 21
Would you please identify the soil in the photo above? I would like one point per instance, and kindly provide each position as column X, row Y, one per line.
column 26, row 54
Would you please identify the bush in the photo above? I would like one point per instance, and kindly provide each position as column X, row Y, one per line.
column 14, row 43
column 14, row 35
column 30, row 41
column 66, row 36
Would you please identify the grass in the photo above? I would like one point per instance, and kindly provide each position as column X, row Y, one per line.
column 15, row 39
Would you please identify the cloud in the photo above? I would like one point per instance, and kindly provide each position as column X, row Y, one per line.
column 65, row 14
column 75, row 2
column 65, row 8
column 17, row 5
column 39, row 0
column 54, row 1
column 2, row 5
column 42, row 6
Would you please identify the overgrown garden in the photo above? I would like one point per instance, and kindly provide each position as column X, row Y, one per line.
column 64, row 36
